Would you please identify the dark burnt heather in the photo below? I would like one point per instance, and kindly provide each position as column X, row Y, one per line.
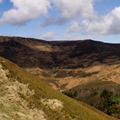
column 19, row 51
column 28, row 52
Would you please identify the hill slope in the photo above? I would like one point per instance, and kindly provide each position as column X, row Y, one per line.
column 24, row 97
column 64, row 64
column 30, row 53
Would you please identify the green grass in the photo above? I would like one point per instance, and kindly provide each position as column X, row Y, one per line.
column 72, row 109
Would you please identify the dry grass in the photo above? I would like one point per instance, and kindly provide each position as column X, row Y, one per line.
column 53, row 103
column 28, row 106
column 13, row 106
column 75, row 77
column 53, row 86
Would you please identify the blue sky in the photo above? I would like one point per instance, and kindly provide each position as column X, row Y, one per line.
column 61, row 19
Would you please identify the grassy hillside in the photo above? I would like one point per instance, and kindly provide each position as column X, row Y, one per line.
column 24, row 97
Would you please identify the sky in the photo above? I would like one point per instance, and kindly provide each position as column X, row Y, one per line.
column 61, row 19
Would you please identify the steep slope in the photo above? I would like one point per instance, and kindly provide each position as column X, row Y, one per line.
column 24, row 97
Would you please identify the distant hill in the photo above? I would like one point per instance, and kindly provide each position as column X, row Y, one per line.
column 25, row 97
column 30, row 53
column 64, row 64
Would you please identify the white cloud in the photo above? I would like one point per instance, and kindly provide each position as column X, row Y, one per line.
column 1, row 1
column 115, row 26
column 66, row 36
column 25, row 10
column 75, row 8
column 101, row 26
column 71, row 9
column 48, row 36
column 107, row 24
column 75, row 26
column 49, row 20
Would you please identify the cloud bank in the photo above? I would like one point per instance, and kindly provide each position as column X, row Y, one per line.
column 77, row 8
column 107, row 24
column 67, row 36
column 81, row 13
column 24, row 10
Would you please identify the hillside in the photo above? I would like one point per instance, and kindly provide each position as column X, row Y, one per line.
column 30, row 53
column 64, row 64
column 24, row 96
column 60, row 54
column 85, row 67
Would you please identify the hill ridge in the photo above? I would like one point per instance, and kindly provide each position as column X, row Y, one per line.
column 65, row 54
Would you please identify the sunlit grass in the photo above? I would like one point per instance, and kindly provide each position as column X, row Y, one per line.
column 72, row 109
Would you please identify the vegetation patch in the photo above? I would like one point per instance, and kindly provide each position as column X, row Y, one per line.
column 12, row 105
column 106, row 100
column 28, row 105
column 53, row 103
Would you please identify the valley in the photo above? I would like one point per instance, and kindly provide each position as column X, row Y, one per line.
column 79, row 67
